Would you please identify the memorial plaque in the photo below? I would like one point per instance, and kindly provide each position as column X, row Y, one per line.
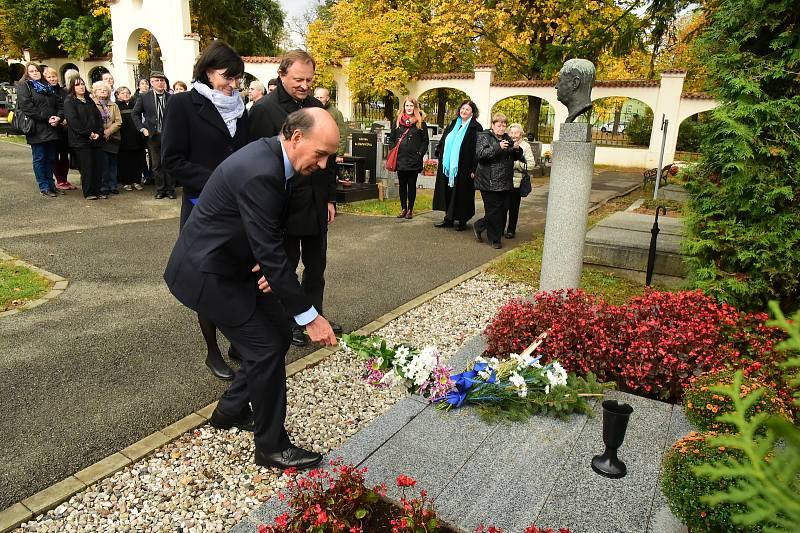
column 365, row 145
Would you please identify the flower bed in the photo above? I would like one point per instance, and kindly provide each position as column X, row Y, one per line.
column 651, row 346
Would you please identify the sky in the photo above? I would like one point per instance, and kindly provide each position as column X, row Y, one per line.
column 295, row 8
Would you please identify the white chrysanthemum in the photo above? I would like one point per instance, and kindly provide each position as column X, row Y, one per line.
column 522, row 392
column 517, row 380
column 391, row 379
column 547, row 389
column 485, row 374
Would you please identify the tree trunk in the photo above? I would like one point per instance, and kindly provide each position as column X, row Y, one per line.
column 534, row 107
column 441, row 104
column 617, row 116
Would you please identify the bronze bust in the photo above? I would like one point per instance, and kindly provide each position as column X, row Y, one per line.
column 574, row 87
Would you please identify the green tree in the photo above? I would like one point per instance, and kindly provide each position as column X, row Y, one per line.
column 744, row 233
column 252, row 27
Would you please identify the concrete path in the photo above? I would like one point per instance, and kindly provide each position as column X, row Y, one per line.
column 116, row 357
column 514, row 474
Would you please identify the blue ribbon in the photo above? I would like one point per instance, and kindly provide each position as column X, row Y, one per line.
column 464, row 382
column 194, row 200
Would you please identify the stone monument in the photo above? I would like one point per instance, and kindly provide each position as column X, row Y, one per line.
column 570, row 181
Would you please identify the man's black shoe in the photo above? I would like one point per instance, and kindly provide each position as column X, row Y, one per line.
column 444, row 224
column 477, row 233
column 337, row 328
column 160, row 195
column 234, row 354
column 172, row 195
column 461, row 226
column 291, row 457
column 298, row 337
column 222, row 421
column 218, row 366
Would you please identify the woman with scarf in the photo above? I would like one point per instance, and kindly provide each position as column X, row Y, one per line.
column 61, row 163
column 454, row 192
column 131, row 144
column 38, row 101
column 85, row 134
column 202, row 127
column 494, row 177
column 112, row 122
column 411, row 133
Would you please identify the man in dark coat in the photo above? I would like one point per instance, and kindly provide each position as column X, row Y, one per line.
column 312, row 206
column 238, row 222
column 148, row 116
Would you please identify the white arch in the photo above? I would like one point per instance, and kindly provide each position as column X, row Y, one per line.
column 693, row 104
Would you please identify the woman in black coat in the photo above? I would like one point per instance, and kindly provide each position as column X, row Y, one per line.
column 412, row 133
column 494, row 177
column 131, row 144
column 454, row 192
column 202, row 127
column 85, row 134
column 61, row 163
column 38, row 101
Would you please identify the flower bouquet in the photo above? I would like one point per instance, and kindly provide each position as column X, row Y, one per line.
column 419, row 371
column 429, row 167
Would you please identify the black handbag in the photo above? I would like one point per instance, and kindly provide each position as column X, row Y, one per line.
column 21, row 124
column 525, row 186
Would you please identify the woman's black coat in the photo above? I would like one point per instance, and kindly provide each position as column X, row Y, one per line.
column 413, row 147
column 495, row 170
column 463, row 201
column 83, row 119
column 39, row 107
column 132, row 139
column 194, row 141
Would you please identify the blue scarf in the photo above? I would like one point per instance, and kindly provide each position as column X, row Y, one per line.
column 42, row 88
column 452, row 149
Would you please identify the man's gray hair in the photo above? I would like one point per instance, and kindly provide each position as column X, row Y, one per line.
column 300, row 120
column 257, row 85
column 583, row 68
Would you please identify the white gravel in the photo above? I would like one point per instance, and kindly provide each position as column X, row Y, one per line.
column 206, row 480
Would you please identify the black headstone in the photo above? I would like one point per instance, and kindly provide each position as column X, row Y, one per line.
column 365, row 145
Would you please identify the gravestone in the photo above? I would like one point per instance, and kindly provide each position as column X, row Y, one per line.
column 365, row 145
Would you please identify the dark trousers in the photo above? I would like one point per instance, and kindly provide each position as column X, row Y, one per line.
column 61, row 165
column 164, row 183
column 313, row 250
column 408, row 188
column 495, row 204
column 129, row 165
column 91, row 165
column 262, row 342
column 513, row 210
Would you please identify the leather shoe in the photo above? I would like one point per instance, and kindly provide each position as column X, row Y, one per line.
column 402, row 214
column 409, row 214
column 444, row 224
column 291, row 457
column 218, row 366
column 461, row 226
column 234, row 354
column 337, row 328
column 222, row 421
column 497, row 245
column 510, row 235
column 298, row 337
column 160, row 195
column 172, row 195
column 477, row 233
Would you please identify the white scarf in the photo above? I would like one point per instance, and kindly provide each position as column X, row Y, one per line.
column 230, row 107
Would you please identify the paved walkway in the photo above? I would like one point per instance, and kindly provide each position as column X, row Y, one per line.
column 514, row 474
column 116, row 357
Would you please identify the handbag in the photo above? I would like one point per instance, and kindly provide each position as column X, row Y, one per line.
column 391, row 157
column 20, row 122
column 525, row 186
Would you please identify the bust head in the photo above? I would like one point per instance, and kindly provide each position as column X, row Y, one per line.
column 574, row 87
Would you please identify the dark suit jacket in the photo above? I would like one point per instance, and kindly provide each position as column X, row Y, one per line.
column 237, row 223
column 195, row 141
column 308, row 209
column 144, row 111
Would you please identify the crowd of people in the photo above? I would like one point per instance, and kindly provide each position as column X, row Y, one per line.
column 259, row 192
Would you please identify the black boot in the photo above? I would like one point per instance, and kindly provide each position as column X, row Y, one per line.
column 218, row 366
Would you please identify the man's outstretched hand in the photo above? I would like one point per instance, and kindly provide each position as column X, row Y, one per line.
column 319, row 331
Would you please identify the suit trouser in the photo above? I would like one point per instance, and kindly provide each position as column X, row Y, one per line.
column 164, row 183
column 262, row 341
column 495, row 204
column 313, row 249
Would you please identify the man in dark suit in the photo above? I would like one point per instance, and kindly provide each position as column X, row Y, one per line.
column 313, row 203
column 148, row 117
column 238, row 222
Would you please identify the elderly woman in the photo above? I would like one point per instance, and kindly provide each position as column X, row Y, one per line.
column 526, row 164
column 494, row 177
column 201, row 128
column 411, row 133
column 85, row 133
column 112, row 122
column 38, row 100
column 454, row 193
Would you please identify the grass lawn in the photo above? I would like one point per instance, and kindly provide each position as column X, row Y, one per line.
column 18, row 139
column 18, row 284
column 423, row 203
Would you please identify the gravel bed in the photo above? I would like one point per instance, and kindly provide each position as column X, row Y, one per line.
column 206, row 480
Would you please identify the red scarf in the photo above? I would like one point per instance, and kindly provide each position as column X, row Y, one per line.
column 407, row 120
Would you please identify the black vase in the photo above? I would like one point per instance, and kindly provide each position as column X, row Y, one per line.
column 615, row 423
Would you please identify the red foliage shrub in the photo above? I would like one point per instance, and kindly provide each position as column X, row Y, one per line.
column 651, row 346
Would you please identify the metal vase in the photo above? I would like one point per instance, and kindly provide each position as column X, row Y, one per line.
column 615, row 423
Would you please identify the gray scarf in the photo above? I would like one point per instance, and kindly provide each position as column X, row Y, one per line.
column 230, row 107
